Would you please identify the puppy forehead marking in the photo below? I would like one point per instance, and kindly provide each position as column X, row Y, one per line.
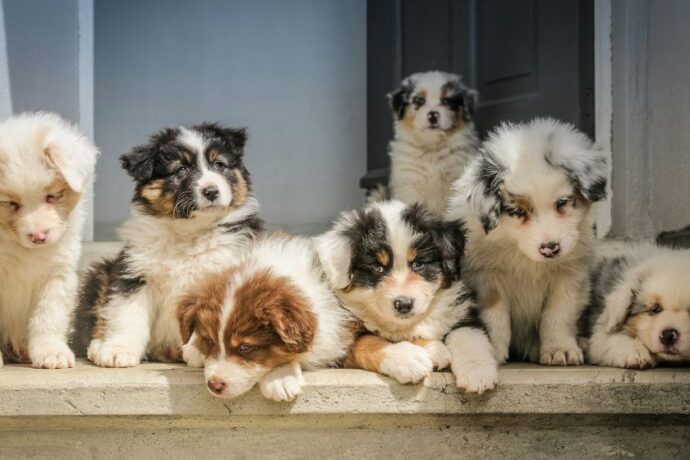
column 192, row 139
column 401, row 235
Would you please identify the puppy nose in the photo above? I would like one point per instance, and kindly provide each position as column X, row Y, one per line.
column 550, row 249
column 403, row 304
column 216, row 386
column 669, row 337
column 38, row 237
column 432, row 116
column 210, row 193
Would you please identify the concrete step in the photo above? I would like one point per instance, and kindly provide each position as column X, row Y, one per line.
column 163, row 411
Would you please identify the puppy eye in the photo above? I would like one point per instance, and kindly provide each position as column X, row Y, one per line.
column 518, row 212
column 656, row 308
column 244, row 349
column 562, row 203
column 218, row 165
column 210, row 342
column 378, row 268
column 418, row 101
column 416, row 265
column 52, row 198
column 181, row 171
column 445, row 101
column 14, row 206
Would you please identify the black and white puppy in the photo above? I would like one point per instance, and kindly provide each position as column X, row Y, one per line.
column 528, row 201
column 434, row 138
column 397, row 268
column 193, row 215
column 639, row 311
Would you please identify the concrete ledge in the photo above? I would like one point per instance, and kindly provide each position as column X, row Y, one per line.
column 175, row 390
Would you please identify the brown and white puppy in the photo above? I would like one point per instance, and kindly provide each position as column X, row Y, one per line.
column 193, row 214
column 434, row 138
column 265, row 320
column 528, row 200
column 397, row 268
column 46, row 166
column 639, row 311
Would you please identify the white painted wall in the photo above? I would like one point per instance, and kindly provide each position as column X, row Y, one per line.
column 292, row 72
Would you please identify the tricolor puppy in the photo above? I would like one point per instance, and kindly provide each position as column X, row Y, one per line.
column 397, row 268
column 528, row 201
column 193, row 214
column 434, row 138
column 46, row 166
column 264, row 320
column 639, row 312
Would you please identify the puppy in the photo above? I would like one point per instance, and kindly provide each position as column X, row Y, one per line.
column 193, row 213
column 527, row 200
column 639, row 310
column 434, row 138
column 397, row 268
column 264, row 320
column 46, row 166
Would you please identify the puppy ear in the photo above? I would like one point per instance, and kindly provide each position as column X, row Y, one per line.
column 585, row 164
column 480, row 186
column 237, row 137
column 139, row 162
column 451, row 237
column 399, row 99
column 622, row 304
column 294, row 323
column 72, row 154
column 335, row 252
column 202, row 304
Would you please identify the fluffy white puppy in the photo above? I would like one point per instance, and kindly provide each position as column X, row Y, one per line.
column 46, row 165
column 639, row 311
column 434, row 138
column 527, row 200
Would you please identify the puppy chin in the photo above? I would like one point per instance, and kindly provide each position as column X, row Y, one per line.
column 238, row 379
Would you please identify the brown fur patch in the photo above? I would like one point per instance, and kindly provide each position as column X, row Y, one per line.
column 367, row 353
column 240, row 190
column 162, row 203
column 383, row 258
column 518, row 201
column 411, row 254
column 422, row 342
column 271, row 315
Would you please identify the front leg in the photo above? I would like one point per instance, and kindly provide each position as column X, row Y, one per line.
column 558, row 325
column 126, row 324
column 283, row 383
column 618, row 350
column 405, row 362
column 438, row 352
column 191, row 354
column 49, row 323
column 472, row 359
column 495, row 314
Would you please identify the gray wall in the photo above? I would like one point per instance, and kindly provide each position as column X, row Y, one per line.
column 293, row 72
column 42, row 39
column 651, row 117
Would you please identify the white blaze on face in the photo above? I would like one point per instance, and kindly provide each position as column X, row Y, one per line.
column 209, row 180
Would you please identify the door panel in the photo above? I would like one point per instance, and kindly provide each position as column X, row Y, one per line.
column 527, row 58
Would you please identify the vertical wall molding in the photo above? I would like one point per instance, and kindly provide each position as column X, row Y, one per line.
column 603, row 100
column 86, row 93
column 5, row 89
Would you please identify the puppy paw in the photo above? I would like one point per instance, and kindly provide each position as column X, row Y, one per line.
column 113, row 356
column 405, row 362
column 561, row 355
column 283, row 383
column 192, row 356
column 56, row 356
column 476, row 377
column 439, row 354
column 637, row 358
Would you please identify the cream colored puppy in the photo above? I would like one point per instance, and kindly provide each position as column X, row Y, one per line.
column 46, row 165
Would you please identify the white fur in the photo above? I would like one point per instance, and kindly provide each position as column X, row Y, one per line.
column 406, row 362
column 38, row 283
column 425, row 162
column 172, row 255
column 530, row 303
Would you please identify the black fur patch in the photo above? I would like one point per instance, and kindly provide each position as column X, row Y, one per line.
column 368, row 236
column 604, row 278
column 400, row 99
column 460, row 99
column 490, row 175
column 472, row 319
column 253, row 223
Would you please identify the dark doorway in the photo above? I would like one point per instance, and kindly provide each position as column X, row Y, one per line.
column 527, row 58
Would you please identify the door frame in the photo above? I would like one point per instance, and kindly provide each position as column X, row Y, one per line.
column 603, row 101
